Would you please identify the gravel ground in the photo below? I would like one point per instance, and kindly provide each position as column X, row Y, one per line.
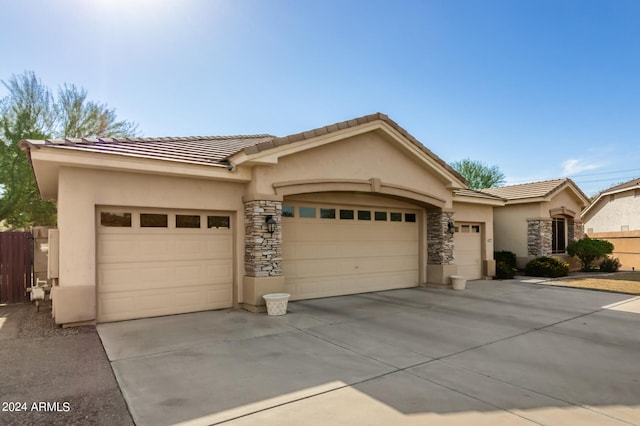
column 54, row 376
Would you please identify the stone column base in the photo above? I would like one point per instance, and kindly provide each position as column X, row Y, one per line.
column 438, row 275
column 253, row 288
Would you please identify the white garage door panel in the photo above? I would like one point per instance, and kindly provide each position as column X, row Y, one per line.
column 308, row 288
column 328, row 249
column 330, row 257
column 144, row 272
column 147, row 275
column 124, row 247
column 351, row 266
column 468, row 254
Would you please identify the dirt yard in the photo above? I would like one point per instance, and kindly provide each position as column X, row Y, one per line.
column 622, row 282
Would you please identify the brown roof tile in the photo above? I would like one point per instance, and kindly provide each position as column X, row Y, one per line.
column 629, row 184
column 531, row 190
column 210, row 150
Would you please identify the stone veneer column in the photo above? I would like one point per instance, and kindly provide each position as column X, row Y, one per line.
column 539, row 234
column 440, row 262
column 262, row 250
column 575, row 230
column 439, row 239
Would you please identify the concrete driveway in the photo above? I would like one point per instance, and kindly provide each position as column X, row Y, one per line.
column 500, row 352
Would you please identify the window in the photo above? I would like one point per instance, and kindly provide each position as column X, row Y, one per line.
column 346, row 214
column 153, row 220
column 409, row 217
column 308, row 212
column 381, row 216
column 396, row 217
column 119, row 220
column 465, row 228
column 218, row 222
column 364, row 215
column 328, row 213
column 558, row 235
column 187, row 221
column 288, row 211
column 475, row 229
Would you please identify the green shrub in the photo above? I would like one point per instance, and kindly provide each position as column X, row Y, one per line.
column 545, row 266
column 504, row 271
column 610, row 264
column 508, row 257
column 588, row 250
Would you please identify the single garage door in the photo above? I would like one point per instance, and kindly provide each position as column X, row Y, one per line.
column 468, row 250
column 159, row 262
column 331, row 250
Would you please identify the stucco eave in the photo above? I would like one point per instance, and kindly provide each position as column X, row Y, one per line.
column 48, row 161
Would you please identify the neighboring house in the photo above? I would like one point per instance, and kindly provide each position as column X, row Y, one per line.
column 538, row 219
column 157, row 226
column 615, row 216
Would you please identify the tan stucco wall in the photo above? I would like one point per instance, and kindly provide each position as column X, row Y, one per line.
column 565, row 198
column 510, row 227
column 362, row 157
column 626, row 247
column 611, row 215
column 81, row 190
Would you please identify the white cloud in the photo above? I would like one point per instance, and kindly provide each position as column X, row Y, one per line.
column 573, row 166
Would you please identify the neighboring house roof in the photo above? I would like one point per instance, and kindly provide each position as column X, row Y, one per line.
column 216, row 150
column 536, row 191
column 633, row 184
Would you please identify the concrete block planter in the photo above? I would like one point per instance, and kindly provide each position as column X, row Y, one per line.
column 276, row 303
column 458, row 282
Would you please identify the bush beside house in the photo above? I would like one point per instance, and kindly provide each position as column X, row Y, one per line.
column 548, row 267
column 589, row 250
column 505, row 264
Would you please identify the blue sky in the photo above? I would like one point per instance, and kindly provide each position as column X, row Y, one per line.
column 542, row 89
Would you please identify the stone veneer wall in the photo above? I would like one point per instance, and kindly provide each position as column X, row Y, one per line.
column 576, row 230
column 539, row 234
column 439, row 240
column 262, row 250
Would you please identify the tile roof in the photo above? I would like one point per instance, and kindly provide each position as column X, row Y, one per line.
column 630, row 184
column 209, row 150
column 530, row 190
column 214, row 150
column 478, row 194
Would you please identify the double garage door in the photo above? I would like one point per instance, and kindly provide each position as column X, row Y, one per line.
column 333, row 249
column 161, row 262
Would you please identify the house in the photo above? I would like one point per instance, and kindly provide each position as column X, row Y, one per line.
column 614, row 215
column 538, row 219
column 158, row 226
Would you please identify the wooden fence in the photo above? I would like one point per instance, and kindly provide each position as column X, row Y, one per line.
column 16, row 266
